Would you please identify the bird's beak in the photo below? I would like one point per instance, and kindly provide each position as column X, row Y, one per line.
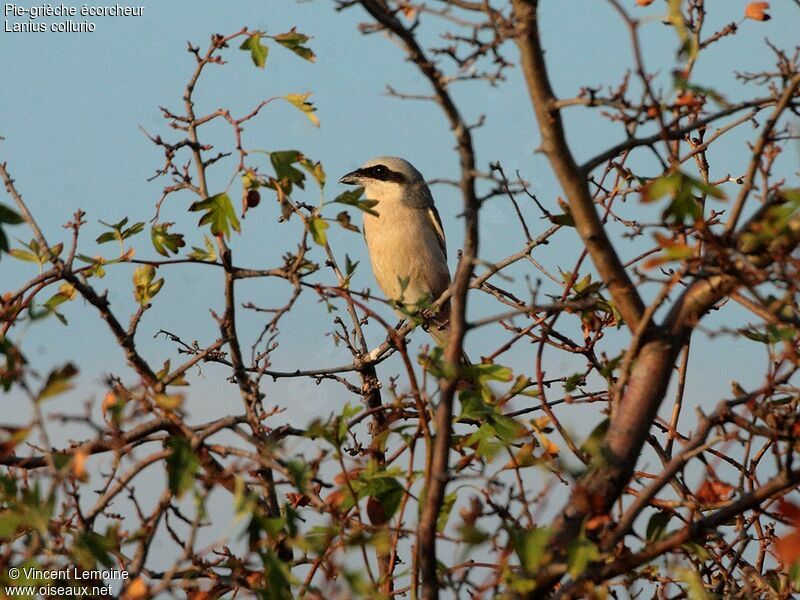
column 352, row 178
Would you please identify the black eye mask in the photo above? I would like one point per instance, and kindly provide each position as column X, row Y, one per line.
column 383, row 173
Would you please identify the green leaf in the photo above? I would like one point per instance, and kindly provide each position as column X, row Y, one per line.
column 594, row 443
column 294, row 41
column 520, row 387
column 580, row 553
column 473, row 407
column 696, row 550
column 219, row 212
column 317, row 225
column 755, row 335
column 566, row 219
column 165, row 371
column 300, row 473
column 470, row 535
column 208, row 253
column 657, row 525
column 12, row 369
column 794, row 574
column 119, row 232
column 506, row 428
column 10, row 216
column 688, row 44
column 584, row 286
column 444, row 513
column 169, row 402
column 349, row 266
column 277, row 585
column 24, row 255
column 244, row 501
column 387, row 491
column 58, row 381
column 182, row 464
column 484, row 440
column 132, row 230
column 695, row 586
column 258, row 51
column 315, row 170
column 286, row 174
column 91, row 548
column 661, row 186
column 791, row 195
column 773, row 335
column 772, row 231
column 24, row 512
column 532, row 547
column 55, row 251
column 301, row 102
column 781, row 333
column 709, row 190
column 108, row 236
column 681, row 190
column 483, row 373
column 145, row 286
column 97, row 265
column 10, row 522
column 250, row 180
column 572, row 382
column 65, row 292
column 610, row 366
column 353, row 198
column 35, row 253
column 165, row 242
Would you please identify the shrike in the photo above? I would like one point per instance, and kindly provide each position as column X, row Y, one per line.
column 405, row 240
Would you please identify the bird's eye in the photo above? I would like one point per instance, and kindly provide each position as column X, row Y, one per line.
column 381, row 170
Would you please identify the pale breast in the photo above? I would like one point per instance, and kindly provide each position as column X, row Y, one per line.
column 403, row 245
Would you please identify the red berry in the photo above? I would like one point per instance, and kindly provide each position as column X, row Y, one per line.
column 253, row 198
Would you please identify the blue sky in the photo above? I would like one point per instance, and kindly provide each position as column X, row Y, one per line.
column 73, row 105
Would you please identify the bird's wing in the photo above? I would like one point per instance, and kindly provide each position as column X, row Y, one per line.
column 436, row 220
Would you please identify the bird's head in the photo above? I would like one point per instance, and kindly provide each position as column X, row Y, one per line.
column 387, row 178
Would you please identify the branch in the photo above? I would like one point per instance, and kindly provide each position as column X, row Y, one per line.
column 571, row 177
column 439, row 466
column 100, row 302
column 600, row 488
column 758, row 149
column 775, row 487
column 121, row 441
column 672, row 133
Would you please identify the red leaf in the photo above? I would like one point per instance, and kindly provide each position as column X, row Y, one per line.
column 788, row 549
column 789, row 511
column 714, row 491
column 756, row 11
column 298, row 499
column 375, row 512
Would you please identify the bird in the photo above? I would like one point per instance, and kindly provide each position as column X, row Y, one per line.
column 405, row 238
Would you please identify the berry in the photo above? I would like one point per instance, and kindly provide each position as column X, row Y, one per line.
column 253, row 198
